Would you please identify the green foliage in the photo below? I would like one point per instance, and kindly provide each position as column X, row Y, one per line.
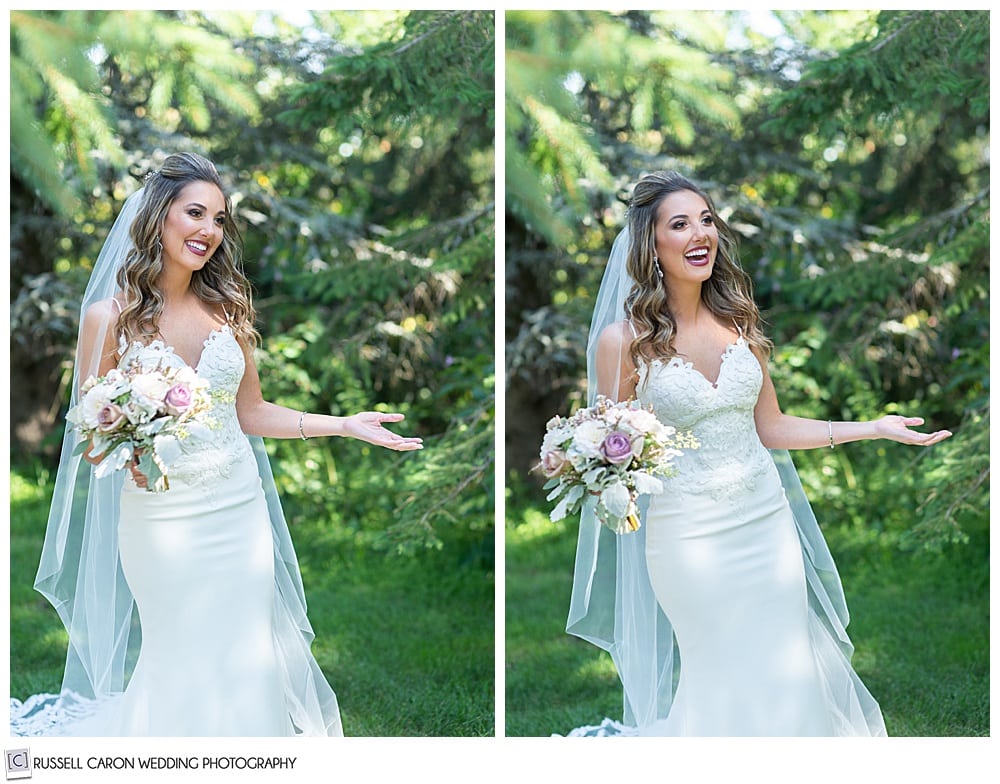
column 75, row 75
column 426, row 64
column 399, row 308
column 910, row 64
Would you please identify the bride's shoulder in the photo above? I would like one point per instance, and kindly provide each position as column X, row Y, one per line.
column 103, row 311
column 617, row 331
column 614, row 343
column 617, row 336
column 99, row 321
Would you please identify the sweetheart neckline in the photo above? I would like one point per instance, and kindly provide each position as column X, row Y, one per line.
column 676, row 361
column 204, row 346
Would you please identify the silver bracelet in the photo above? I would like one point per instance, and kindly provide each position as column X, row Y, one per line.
column 305, row 438
column 829, row 424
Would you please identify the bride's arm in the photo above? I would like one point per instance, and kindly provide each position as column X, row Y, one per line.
column 781, row 431
column 102, row 315
column 261, row 418
column 616, row 375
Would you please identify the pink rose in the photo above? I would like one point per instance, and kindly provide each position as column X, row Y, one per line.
column 178, row 399
column 554, row 463
column 109, row 417
column 616, row 448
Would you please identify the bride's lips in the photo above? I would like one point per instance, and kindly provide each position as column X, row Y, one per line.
column 698, row 257
column 197, row 248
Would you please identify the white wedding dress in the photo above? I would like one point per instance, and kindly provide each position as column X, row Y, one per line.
column 725, row 563
column 220, row 653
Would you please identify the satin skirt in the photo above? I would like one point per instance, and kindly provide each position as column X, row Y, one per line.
column 200, row 564
column 754, row 658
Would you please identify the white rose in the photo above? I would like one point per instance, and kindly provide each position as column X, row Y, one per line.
column 188, row 375
column 96, row 399
column 615, row 498
column 554, row 439
column 148, row 390
column 116, row 382
column 642, row 420
column 588, row 438
column 150, row 385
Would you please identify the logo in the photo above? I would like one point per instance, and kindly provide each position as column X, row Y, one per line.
column 18, row 764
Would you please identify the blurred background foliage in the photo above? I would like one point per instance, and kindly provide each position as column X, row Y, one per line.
column 850, row 152
column 358, row 147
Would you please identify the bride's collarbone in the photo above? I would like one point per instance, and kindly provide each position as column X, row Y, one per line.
column 707, row 352
column 188, row 337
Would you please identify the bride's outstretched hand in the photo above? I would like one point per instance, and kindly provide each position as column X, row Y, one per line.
column 367, row 426
column 897, row 428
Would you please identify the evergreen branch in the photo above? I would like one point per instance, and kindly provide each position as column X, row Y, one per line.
column 441, row 22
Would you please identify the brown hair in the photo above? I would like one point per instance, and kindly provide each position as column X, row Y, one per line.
column 220, row 281
column 727, row 293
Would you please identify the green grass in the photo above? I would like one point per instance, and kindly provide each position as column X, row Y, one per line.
column 919, row 623
column 406, row 643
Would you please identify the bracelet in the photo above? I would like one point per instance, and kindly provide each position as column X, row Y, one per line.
column 829, row 424
column 302, row 432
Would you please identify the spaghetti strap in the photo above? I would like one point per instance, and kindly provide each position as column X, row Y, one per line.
column 122, row 342
column 739, row 329
column 631, row 326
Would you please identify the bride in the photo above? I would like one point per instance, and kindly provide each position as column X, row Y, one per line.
column 729, row 569
column 205, row 569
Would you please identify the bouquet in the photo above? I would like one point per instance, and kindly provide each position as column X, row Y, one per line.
column 607, row 456
column 144, row 412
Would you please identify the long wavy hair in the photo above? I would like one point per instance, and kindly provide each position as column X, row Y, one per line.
column 221, row 280
column 727, row 293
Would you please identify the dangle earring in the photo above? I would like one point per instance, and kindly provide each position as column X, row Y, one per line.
column 659, row 270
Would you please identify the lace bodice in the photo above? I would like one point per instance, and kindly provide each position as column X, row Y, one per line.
column 730, row 457
column 204, row 461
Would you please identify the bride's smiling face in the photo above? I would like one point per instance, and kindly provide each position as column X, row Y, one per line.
column 192, row 230
column 687, row 238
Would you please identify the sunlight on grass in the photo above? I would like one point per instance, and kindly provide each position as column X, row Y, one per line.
column 860, row 537
column 56, row 638
column 534, row 527
column 598, row 668
column 22, row 490
column 865, row 660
